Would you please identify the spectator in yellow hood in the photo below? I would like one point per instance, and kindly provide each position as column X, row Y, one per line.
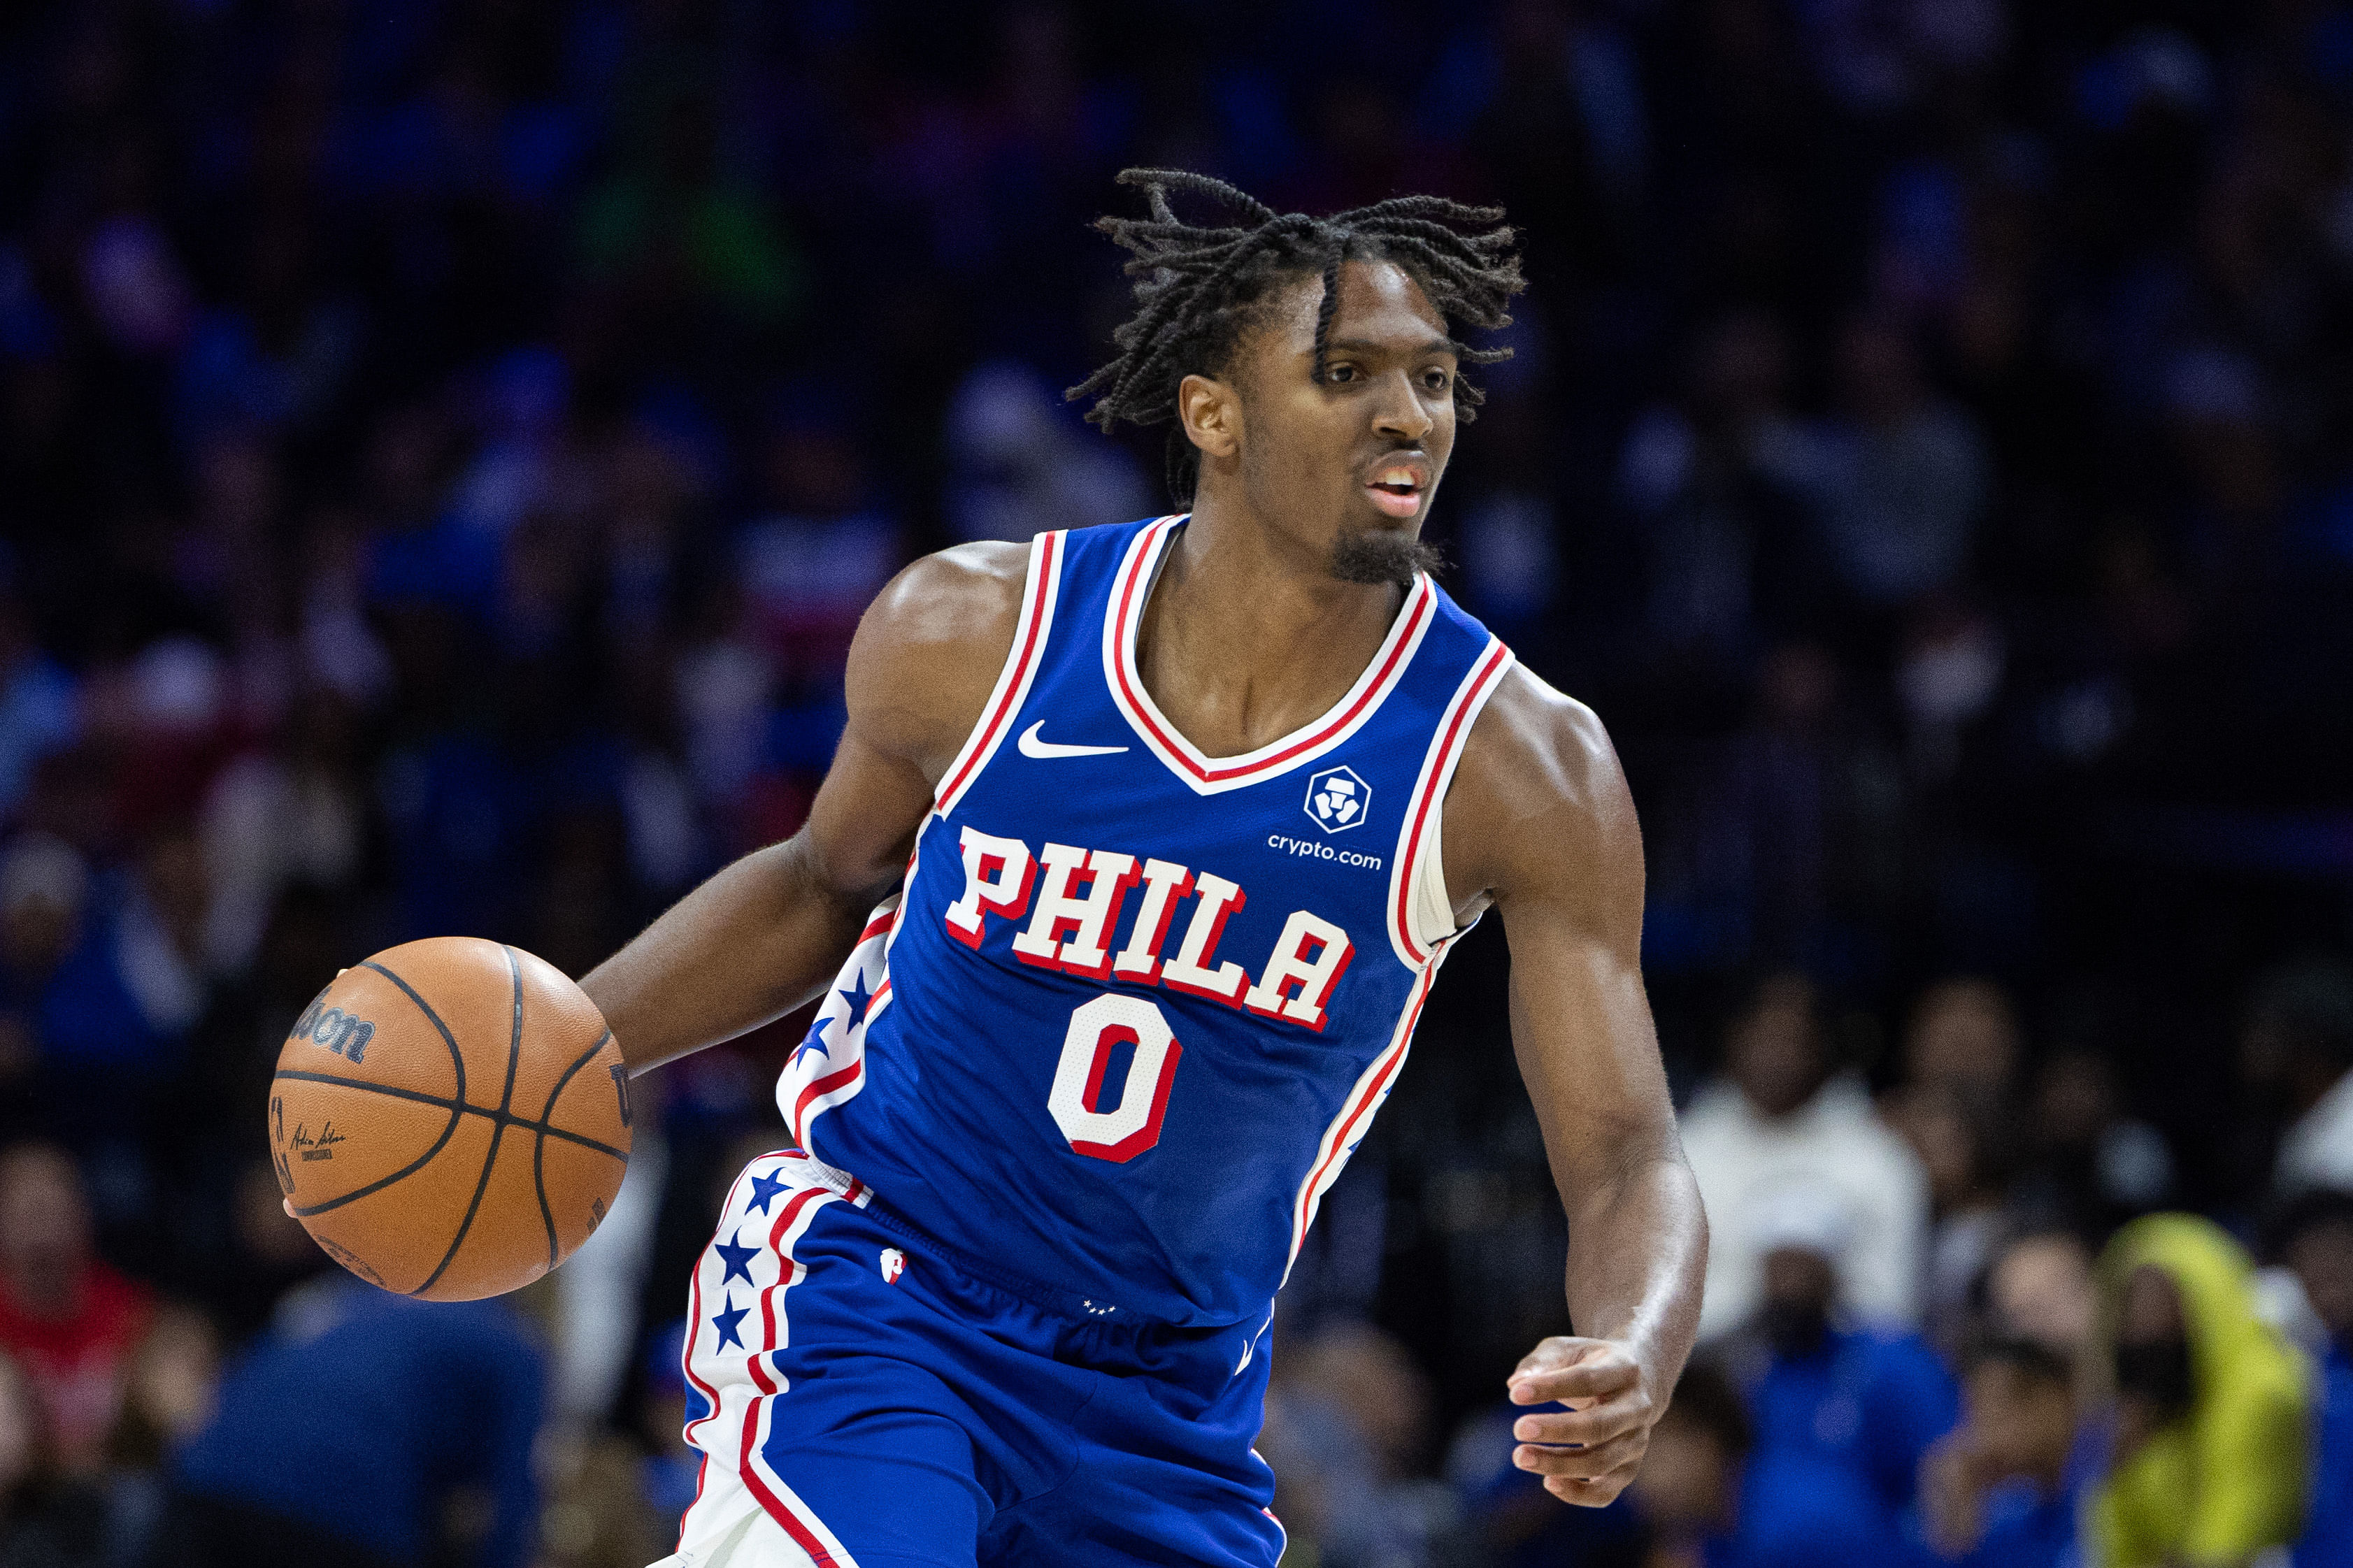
column 2209, row 1462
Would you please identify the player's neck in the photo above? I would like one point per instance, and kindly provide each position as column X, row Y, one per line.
column 1246, row 636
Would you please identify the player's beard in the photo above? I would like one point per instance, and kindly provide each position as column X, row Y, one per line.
column 1379, row 555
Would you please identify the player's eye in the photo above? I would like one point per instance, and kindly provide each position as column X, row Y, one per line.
column 1339, row 372
column 1438, row 380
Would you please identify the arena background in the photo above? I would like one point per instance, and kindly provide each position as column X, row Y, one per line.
column 445, row 449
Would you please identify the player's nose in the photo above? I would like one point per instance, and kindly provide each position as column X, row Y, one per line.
column 1398, row 413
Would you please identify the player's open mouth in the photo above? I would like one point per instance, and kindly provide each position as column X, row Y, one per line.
column 1397, row 490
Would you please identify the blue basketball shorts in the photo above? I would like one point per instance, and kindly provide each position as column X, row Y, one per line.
column 861, row 1399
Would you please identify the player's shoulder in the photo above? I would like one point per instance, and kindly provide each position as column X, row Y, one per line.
column 953, row 595
column 1540, row 744
column 929, row 648
column 1539, row 788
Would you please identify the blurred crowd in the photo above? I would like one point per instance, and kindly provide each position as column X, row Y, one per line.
column 444, row 449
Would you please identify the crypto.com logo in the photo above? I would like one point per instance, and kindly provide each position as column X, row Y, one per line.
column 1338, row 799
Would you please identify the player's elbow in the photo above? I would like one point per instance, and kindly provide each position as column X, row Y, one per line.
column 1636, row 1155
column 846, row 885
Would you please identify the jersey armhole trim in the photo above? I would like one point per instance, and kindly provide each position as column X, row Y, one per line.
column 1432, row 910
column 1364, row 1100
column 1419, row 838
column 1037, row 594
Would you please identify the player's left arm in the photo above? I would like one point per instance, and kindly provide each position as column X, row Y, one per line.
column 1540, row 809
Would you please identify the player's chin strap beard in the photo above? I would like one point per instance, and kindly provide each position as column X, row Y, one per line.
column 1377, row 556
column 1374, row 558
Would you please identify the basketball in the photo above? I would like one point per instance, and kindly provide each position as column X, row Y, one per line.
column 450, row 1118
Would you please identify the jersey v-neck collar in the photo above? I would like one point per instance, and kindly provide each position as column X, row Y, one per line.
column 1123, row 619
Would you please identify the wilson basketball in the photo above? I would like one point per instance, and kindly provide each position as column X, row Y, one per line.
column 450, row 1118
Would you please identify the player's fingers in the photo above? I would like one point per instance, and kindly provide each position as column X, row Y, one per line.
column 1584, row 1366
column 1597, row 1424
column 1586, row 1464
column 1607, row 1371
column 1555, row 1352
column 1598, row 1492
column 288, row 1205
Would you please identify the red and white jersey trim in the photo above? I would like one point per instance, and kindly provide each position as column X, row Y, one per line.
column 830, row 1066
column 1037, row 596
column 1357, row 1112
column 1214, row 776
column 1425, row 809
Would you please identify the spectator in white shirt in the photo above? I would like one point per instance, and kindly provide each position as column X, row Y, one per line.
column 1779, row 1118
column 2297, row 1041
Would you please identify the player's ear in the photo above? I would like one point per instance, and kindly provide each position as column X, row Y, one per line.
column 1211, row 412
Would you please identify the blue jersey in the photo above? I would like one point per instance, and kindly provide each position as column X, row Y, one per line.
column 1135, row 1006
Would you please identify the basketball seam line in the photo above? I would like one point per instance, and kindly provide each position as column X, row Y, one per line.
column 539, row 1148
column 456, row 1060
column 421, row 1098
column 539, row 1190
column 498, row 1131
column 457, row 1056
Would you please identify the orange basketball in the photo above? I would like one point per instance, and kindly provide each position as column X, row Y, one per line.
column 450, row 1118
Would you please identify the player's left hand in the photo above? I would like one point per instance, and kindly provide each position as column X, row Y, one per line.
column 1587, row 1453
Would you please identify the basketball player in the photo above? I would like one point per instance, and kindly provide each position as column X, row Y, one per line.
column 1143, row 844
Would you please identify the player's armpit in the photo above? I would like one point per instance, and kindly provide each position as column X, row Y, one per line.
column 927, row 656
column 760, row 937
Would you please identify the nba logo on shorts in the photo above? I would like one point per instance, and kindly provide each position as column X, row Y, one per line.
column 894, row 1263
column 1336, row 798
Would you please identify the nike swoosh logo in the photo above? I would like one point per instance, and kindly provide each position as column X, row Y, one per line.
column 1032, row 746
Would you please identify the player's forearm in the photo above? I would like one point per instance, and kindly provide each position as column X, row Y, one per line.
column 749, row 945
column 1637, row 1254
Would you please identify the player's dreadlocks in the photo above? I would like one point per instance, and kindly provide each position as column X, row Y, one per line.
column 1197, row 289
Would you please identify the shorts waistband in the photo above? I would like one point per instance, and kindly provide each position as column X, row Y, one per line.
column 1056, row 1301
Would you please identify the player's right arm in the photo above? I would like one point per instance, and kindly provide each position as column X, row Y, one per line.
column 760, row 937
